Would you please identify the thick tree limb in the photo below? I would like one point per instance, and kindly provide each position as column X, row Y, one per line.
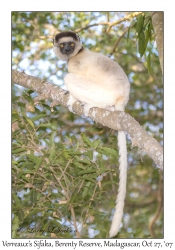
column 116, row 120
column 158, row 22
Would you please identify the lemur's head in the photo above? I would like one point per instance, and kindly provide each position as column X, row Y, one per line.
column 66, row 45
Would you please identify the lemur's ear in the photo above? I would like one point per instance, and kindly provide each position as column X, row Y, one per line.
column 79, row 37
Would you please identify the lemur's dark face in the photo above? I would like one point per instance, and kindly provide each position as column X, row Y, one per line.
column 67, row 48
column 66, row 45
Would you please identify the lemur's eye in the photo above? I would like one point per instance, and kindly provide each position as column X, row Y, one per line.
column 72, row 45
column 61, row 45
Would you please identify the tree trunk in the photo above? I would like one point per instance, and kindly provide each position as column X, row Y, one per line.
column 158, row 25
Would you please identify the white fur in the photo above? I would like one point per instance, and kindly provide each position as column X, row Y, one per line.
column 122, row 185
column 100, row 75
column 66, row 39
column 98, row 81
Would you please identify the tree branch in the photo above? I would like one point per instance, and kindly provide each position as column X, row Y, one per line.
column 126, row 18
column 110, row 24
column 159, row 208
column 118, row 40
column 116, row 120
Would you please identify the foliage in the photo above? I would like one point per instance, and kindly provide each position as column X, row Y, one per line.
column 65, row 166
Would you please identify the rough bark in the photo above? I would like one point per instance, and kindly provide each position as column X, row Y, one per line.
column 115, row 120
column 158, row 26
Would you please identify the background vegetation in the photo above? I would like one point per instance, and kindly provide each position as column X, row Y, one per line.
column 65, row 167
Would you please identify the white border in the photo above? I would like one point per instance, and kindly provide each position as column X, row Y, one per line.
column 5, row 95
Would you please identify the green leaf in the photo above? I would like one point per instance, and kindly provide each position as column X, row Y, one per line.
column 16, row 199
column 142, row 43
column 52, row 154
column 52, row 137
column 101, row 171
column 29, row 121
column 77, row 164
column 84, row 161
column 34, row 211
column 107, row 151
column 47, row 125
column 109, row 183
column 33, row 196
column 15, row 118
column 138, row 231
column 89, row 179
column 86, row 189
column 38, row 163
column 14, row 162
column 19, row 150
column 29, row 91
column 73, row 152
column 140, row 23
column 89, row 153
column 33, row 158
column 15, row 226
column 96, row 143
column 73, row 196
column 88, row 171
column 87, row 141
column 37, row 117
